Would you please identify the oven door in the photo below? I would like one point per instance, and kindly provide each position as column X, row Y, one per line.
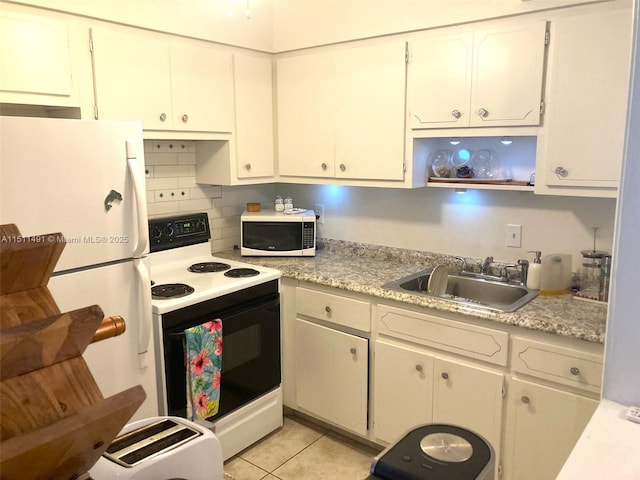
column 250, row 351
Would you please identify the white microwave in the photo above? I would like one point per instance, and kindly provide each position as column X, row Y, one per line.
column 274, row 234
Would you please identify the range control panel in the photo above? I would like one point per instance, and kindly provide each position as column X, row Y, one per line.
column 178, row 231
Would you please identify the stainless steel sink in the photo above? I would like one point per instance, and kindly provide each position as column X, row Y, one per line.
column 473, row 291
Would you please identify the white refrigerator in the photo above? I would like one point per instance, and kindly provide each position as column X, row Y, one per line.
column 85, row 179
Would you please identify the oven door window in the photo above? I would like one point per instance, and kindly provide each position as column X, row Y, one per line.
column 272, row 236
column 250, row 358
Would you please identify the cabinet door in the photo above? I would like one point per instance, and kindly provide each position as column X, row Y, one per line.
column 471, row 397
column 254, row 116
column 306, row 115
column 439, row 80
column 507, row 75
column 201, row 88
column 587, row 101
column 543, row 425
column 132, row 78
column 369, row 102
column 34, row 59
column 332, row 375
column 402, row 390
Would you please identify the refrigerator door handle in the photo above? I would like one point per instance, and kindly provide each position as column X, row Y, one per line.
column 144, row 326
column 141, row 202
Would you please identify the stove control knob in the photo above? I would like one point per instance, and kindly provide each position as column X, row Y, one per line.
column 167, row 231
column 156, row 232
column 201, row 227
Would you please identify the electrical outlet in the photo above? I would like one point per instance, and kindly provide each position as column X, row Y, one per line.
column 319, row 209
column 514, row 236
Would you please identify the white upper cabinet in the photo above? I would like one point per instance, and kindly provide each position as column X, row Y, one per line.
column 166, row 84
column 581, row 150
column 35, row 61
column 341, row 113
column 305, row 86
column 254, row 116
column 488, row 77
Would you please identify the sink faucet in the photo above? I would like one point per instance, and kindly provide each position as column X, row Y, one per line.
column 522, row 266
column 485, row 265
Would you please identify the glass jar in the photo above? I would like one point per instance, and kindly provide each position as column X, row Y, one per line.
column 591, row 273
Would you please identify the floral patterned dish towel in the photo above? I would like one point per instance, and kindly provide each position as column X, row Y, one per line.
column 203, row 349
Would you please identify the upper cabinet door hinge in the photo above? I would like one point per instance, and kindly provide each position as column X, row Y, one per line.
column 504, row 389
column 547, row 37
column 95, row 112
column 541, row 107
column 90, row 44
column 406, row 55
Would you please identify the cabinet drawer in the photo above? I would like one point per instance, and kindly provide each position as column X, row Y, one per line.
column 334, row 309
column 449, row 335
column 557, row 364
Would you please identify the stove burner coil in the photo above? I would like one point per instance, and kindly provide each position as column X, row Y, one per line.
column 171, row 290
column 207, row 267
column 241, row 272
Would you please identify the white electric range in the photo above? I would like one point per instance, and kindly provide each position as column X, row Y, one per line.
column 191, row 287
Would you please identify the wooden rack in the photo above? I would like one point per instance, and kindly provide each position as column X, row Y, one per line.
column 54, row 421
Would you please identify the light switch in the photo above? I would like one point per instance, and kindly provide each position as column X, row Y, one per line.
column 514, row 235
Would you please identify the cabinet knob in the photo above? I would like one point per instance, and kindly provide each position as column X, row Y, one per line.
column 525, row 399
column 575, row 371
column 484, row 113
column 353, row 350
column 561, row 172
column 324, row 166
column 445, row 375
column 342, row 167
column 327, row 309
column 185, row 118
column 419, row 368
column 163, row 117
column 247, row 166
column 456, row 113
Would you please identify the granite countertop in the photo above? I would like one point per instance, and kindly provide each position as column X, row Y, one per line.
column 363, row 268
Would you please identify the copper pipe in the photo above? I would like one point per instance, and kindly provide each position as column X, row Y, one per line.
column 110, row 327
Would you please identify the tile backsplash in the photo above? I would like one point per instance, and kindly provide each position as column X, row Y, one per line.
column 172, row 189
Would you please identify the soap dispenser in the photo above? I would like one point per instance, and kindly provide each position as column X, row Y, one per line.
column 533, row 279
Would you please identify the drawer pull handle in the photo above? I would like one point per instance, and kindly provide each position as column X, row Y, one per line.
column 327, row 309
column 163, row 117
column 185, row 118
column 323, row 166
column 419, row 368
column 575, row 371
column 247, row 166
column 353, row 351
column 445, row 375
column 525, row 399
column 456, row 113
column 343, row 167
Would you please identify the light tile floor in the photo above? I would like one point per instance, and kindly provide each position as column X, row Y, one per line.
column 302, row 450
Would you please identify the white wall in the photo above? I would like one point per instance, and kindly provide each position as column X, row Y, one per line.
column 304, row 23
column 472, row 224
column 622, row 362
column 281, row 25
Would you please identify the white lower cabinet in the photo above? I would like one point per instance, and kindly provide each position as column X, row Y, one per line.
column 413, row 386
column 543, row 425
column 332, row 375
column 529, row 394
